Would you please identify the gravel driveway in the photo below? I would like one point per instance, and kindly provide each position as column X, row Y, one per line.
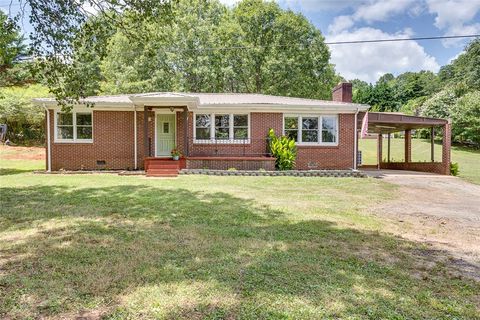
column 442, row 211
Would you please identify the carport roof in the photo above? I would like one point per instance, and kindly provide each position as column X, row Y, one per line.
column 388, row 122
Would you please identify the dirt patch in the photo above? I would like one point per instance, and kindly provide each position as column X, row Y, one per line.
column 22, row 153
column 441, row 211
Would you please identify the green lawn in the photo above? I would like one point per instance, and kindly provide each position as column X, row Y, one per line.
column 206, row 247
column 467, row 158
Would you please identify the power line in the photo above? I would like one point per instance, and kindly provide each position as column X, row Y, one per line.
column 405, row 39
column 328, row 43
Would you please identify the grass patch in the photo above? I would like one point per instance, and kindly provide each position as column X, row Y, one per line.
column 467, row 158
column 206, row 247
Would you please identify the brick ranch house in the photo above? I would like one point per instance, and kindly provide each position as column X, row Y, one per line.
column 215, row 131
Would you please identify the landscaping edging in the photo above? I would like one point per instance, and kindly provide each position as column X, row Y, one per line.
column 292, row 173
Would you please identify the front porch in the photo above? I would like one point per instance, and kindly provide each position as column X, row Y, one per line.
column 166, row 128
column 167, row 167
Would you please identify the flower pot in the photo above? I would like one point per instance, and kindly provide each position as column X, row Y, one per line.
column 175, row 158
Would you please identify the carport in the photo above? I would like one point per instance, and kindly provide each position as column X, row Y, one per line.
column 383, row 123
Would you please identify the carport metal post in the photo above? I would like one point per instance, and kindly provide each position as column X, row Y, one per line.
column 432, row 144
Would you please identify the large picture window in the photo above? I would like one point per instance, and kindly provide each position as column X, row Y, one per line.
column 74, row 127
column 312, row 130
column 226, row 128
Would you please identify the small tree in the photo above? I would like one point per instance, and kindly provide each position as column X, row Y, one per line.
column 284, row 150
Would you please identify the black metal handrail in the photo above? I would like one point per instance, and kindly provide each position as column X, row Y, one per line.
column 218, row 147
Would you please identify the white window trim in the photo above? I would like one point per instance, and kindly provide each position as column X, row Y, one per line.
column 212, row 139
column 320, row 122
column 74, row 115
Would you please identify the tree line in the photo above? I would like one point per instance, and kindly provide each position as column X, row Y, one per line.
column 205, row 46
column 453, row 93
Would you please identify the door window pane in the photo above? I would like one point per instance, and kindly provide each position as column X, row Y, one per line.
column 166, row 127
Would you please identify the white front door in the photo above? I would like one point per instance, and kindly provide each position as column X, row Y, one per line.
column 165, row 134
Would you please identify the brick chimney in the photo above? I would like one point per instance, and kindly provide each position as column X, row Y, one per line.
column 342, row 92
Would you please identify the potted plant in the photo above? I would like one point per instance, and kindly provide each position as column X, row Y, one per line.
column 175, row 154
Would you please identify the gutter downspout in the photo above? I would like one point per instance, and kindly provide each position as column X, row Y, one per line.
column 49, row 154
column 135, row 137
column 355, row 142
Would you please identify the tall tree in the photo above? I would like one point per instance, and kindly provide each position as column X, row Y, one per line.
column 254, row 47
column 61, row 24
column 11, row 42
column 465, row 69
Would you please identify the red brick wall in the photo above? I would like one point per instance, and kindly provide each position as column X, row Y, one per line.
column 309, row 157
column 113, row 134
column 331, row 157
column 260, row 123
column 433, row 167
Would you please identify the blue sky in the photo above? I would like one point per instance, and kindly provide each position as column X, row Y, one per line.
column 342, row 20
column 379, row 19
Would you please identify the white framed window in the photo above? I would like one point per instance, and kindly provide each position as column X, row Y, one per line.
column 312, row 129
column 76, row 126
column 221, row 128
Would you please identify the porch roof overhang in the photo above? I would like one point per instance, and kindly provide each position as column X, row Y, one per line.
column 388, row 122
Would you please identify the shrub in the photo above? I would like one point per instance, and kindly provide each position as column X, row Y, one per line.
column 454, row 169
column 284, row 150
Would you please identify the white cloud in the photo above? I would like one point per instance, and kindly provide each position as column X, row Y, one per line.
column 369, row 61
column 454, row 17
column 381, row 10
column 321, row 5
column 453, row 12
column 372, row 11
column 340, row 23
